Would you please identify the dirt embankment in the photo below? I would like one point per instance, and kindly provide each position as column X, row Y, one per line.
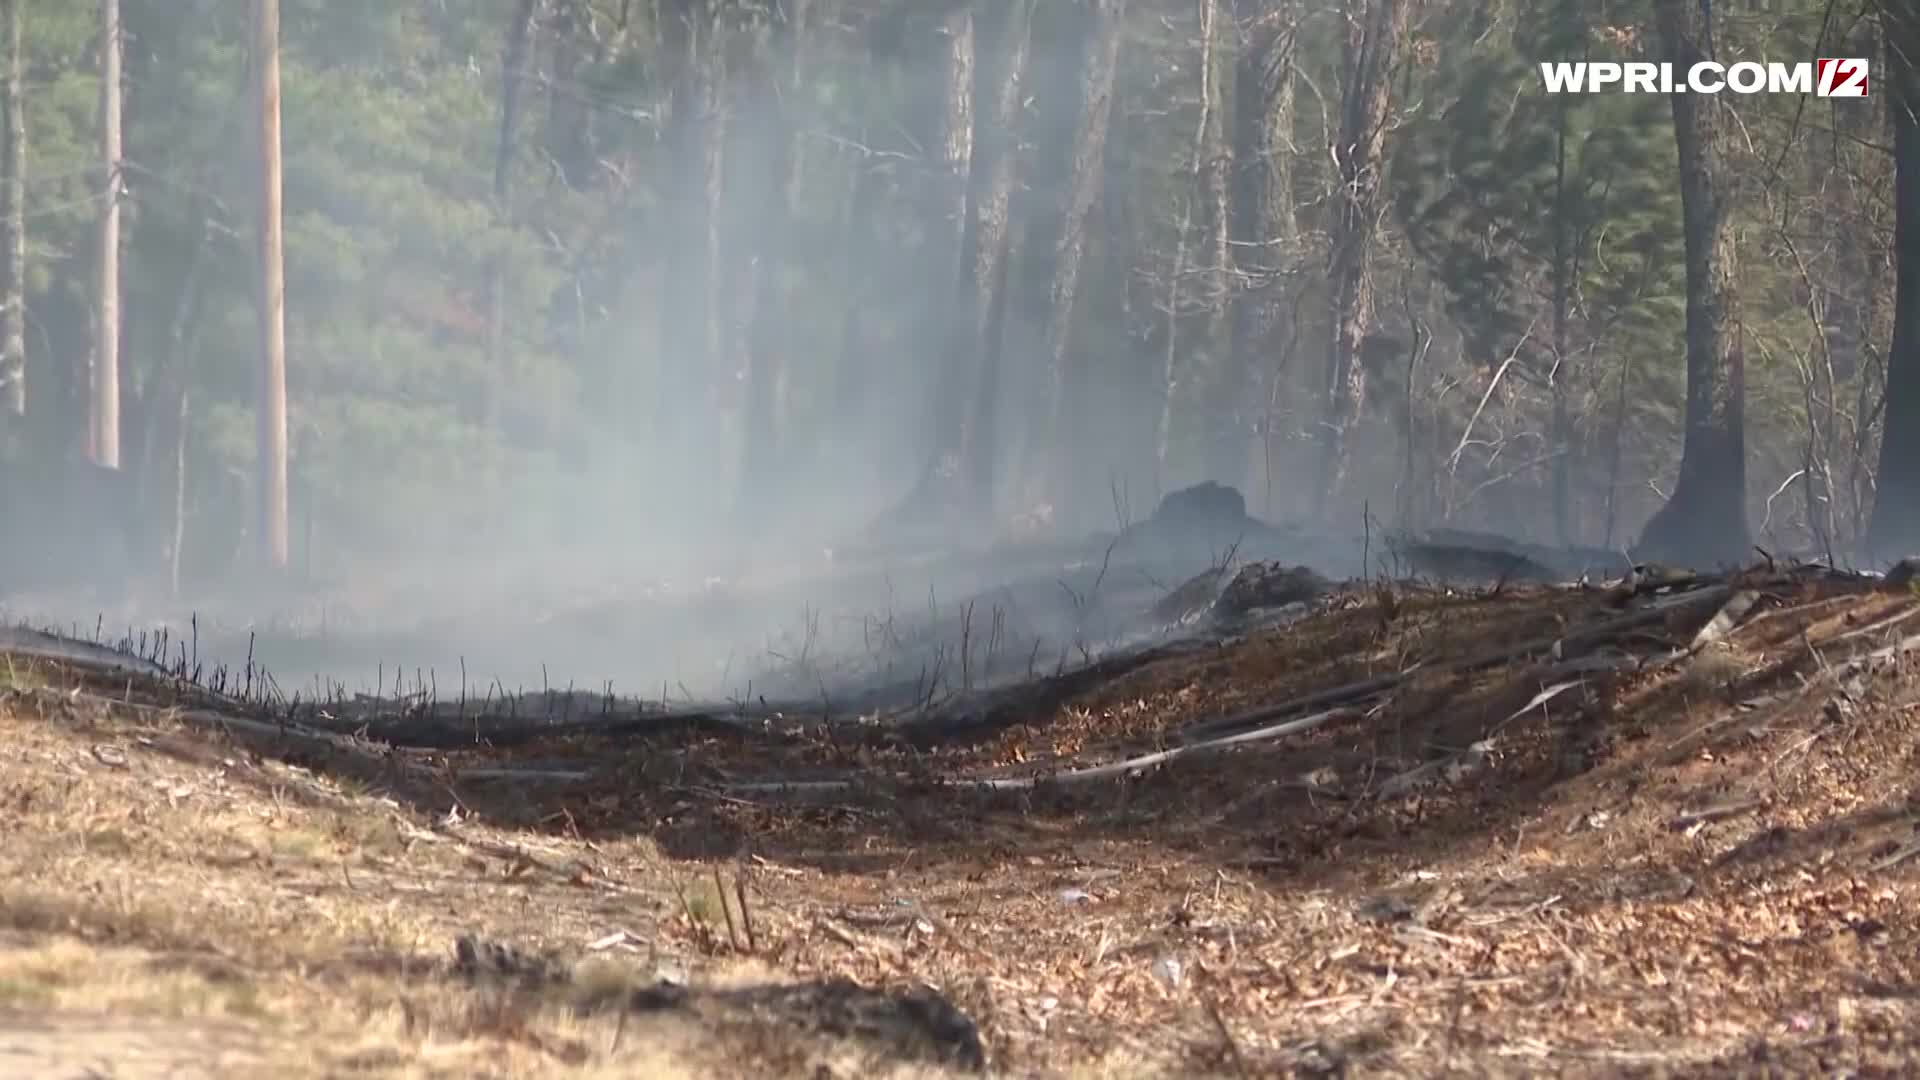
column 1666, row 828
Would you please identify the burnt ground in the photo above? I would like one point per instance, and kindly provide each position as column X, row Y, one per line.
column 1636, row 830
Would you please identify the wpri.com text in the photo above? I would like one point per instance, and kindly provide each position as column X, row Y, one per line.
column 1823, row 78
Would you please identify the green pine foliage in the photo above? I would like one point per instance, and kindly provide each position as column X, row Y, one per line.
column 404, row 437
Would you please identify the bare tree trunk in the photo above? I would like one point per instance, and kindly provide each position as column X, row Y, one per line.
column 1056, row 417
column 1559, row 427
column 1205, row 143
column 273, row 296
column 169, row 381
column 993, row 177
column 105, row 414
column 178, row 380
column 1878, row 300
column 1846, row 305
column 1376, row 30
column 1895, row 529
column 177, row 535
column 1212, row 358
column 949, row 407
column 513, row 73
column 1705, row 519
column 689, row 331
column 766, row 361
column 13, row 208
column 850, row 374
column 1264, row 227
column 714, row 119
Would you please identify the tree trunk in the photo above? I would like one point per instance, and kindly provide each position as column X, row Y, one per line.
column 177, row 382
column 1704, row 521
column 1206, row 144
column 689, row 329
column 1895, row 529
column 569, row 127
column 993, row 177
column 1376, row 30
column 711, row 283
column 949, row 407
column 1559, row 432
column 513, row 73
column 1264, row 228
column 104, row 422
column 766, row 361
column 273, row 298
column 851, row 374
column 1842, row 303
column 173, row 375
column 13, row 207
column 177, row 535
column 1056, row 419
column 1221, row 451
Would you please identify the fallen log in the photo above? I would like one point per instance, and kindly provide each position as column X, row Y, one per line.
column 1083, row 775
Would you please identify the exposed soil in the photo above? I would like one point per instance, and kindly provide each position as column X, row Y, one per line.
column 1670, row 861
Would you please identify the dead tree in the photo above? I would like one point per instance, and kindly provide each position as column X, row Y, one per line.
column 1265, row 229
column 13, row 209
column 513, row 74
column 1855, row 299
column 273, row 296
column 766, row 368
column 1220, row 446
column 1895, row 529
column 1207, row 179
column 1055, row 418
column 1376, row 31
column 954, row 213
column 857, row 244
column 1560, row 431
column 696, row 141
column 104, row 415
column 998, row 145
column 1705, row 519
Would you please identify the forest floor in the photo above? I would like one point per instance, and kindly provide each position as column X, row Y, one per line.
column 1577, row 831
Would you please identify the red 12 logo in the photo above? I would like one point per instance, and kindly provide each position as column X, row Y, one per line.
column 1842, row 78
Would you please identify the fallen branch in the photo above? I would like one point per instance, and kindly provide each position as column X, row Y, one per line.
column 1808, row 608
column 1207, row 730
column 1121, row 768
column 535, row 776
column 1899, row 855
column 1878, row 626
column 1689, row 818
column 1779, row 705
column 1071, row 776
column 1565, row 646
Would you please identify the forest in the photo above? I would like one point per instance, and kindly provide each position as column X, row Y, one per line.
column 713, row 275
column 883, row 538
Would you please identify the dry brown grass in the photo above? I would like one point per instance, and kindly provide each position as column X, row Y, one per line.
column 1640, row 876
column 242, row 917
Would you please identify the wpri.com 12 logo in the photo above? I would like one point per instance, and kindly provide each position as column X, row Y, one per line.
column 1841, row 78
column 1827, row 77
